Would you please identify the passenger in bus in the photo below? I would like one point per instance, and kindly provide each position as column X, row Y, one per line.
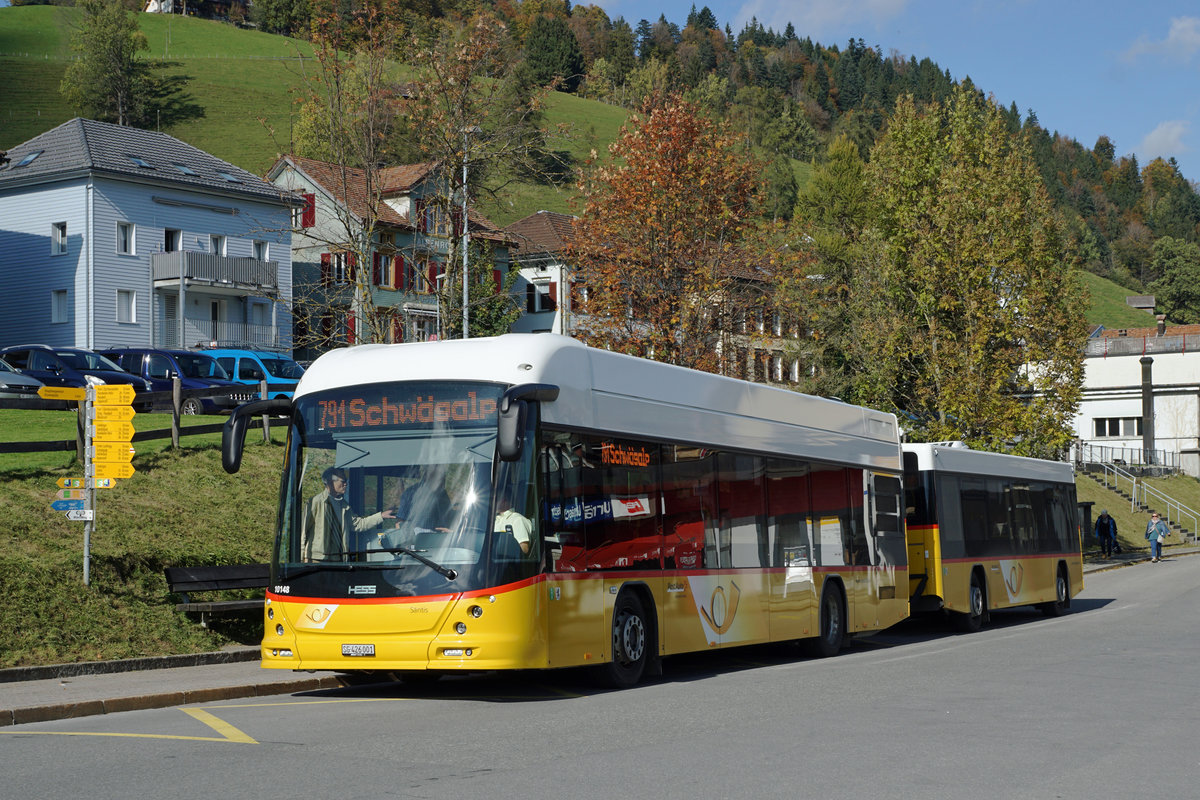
column 331, row 528
column 422, row 499
column 511, row 522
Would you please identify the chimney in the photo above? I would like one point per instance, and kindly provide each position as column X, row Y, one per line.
column 1147, row 411
column 1162, row 324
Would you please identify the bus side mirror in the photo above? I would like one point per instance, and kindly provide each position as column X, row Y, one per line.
column 233, row 435
column 512, row 414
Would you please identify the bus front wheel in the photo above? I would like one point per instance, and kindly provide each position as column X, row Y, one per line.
column 630, row 643
column 833, row 625
column 972, row 619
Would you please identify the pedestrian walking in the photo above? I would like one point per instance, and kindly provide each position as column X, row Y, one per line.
column 1156, row 533
column 1106, row 532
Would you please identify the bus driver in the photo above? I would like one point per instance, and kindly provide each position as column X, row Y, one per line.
column 330, row 525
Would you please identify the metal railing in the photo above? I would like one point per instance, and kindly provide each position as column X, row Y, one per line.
column 1158, row 462
column 215, row 270
column 218, row 334
column 1142, row 495
column 1105, row 346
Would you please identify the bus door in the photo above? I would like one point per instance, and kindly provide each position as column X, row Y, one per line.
column 836, row 530
column 738, row 609
column 793, row 601
column 689, row 524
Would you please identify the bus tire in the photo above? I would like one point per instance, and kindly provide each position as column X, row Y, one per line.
column 1062, row 596
column 972, row 620
column 832, row 633
column 630, row 643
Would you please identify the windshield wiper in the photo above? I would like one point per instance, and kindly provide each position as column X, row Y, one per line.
column 446, row 572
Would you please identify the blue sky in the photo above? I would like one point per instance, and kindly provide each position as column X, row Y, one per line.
column 1125, row 70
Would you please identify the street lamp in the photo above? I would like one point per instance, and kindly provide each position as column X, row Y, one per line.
column 466, row 236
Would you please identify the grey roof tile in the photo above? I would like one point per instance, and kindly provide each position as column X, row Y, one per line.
column 84, row 145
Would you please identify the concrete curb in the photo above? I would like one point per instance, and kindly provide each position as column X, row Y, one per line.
column 59, row 671
column 48, row 713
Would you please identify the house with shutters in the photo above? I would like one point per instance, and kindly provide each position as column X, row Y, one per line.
column 391, row 219
column 544, row 278
column 116, row 236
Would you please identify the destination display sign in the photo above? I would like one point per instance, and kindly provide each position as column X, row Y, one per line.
column 113, row 431
column 113, row 469
column 119, row 394
column 400, row 406
column 62, row 393
column 112, row 451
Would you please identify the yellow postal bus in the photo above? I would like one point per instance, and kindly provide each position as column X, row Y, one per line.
column 528, row 502
column 988, row 531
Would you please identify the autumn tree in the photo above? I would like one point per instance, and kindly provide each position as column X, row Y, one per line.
column 349, row 117
column 472, row 112
column 986, row 329
column 662, row 241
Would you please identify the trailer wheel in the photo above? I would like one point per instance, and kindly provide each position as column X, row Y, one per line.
column 972, row 620
column 833, row 625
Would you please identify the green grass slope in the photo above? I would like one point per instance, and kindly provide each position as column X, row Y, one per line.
column 179, row 508
column 1108, row 307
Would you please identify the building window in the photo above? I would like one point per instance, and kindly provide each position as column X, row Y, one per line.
column 172, row 240
column 262, row 251
column 58, row 306
column 1118, row 427
column 218, row 244
column 384, row 271
column 58, row 236
column 540, row 297
column 126, row 305
column 125, row 241
column 424, row 328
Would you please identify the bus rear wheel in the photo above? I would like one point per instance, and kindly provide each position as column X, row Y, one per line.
column 1062, row 594
column 972, row 619
column 630, row 643
column 833, row 625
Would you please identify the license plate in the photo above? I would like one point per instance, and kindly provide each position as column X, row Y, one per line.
column 358, row 650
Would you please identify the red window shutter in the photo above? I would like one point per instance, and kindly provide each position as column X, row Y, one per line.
column 401, row 268
column 498, row 278
column 351, row 263
column 552, row 298
column 350, row 328
column 309, row 216
column 326, row 269
column 433, row 273
column 457, row 217
column 376, row 270
column 397, row 328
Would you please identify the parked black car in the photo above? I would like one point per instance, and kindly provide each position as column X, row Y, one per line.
column 194, row 370
column 72, row 366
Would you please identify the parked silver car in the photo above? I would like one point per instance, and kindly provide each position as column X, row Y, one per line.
column 15, row 385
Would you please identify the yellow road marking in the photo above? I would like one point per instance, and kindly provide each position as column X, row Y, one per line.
column 230, row 733
column 227, row 731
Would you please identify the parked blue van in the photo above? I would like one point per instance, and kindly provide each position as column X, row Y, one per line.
column 251, row 366
column 194, row 370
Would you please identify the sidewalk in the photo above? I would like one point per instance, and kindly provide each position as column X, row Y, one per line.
column 40, row 694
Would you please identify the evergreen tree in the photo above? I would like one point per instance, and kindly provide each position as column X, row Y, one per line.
column 552, row 52
column 620, row 51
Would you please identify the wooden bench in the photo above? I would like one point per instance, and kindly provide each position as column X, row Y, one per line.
column 185, row 580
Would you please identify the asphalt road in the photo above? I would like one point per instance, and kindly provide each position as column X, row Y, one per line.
column 1101, row 703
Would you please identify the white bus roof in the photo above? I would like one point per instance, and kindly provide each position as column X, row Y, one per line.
column 954, row 457
column 627, row 396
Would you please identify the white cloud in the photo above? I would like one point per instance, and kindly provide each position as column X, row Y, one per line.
column 1164, row 141
column 815, row 18
column 1182, row 42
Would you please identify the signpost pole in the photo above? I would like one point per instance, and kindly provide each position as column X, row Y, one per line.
column 89, row 493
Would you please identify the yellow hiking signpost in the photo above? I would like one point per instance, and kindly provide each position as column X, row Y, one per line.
column 107, row 453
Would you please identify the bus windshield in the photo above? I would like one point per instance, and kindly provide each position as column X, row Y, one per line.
column 387, row 491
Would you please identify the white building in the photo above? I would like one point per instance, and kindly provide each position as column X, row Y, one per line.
column 1119, row 366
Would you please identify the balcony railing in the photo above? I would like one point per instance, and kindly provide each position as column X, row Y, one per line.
column 218, row 334
column 214, row 270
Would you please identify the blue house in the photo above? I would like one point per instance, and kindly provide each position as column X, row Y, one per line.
column 115, row 236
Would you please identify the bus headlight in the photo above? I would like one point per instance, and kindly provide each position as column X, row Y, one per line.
column 475, row 611
column 460, row 628
column 279, row 630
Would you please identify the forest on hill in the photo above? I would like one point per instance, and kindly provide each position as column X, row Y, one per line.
column 791, row 97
